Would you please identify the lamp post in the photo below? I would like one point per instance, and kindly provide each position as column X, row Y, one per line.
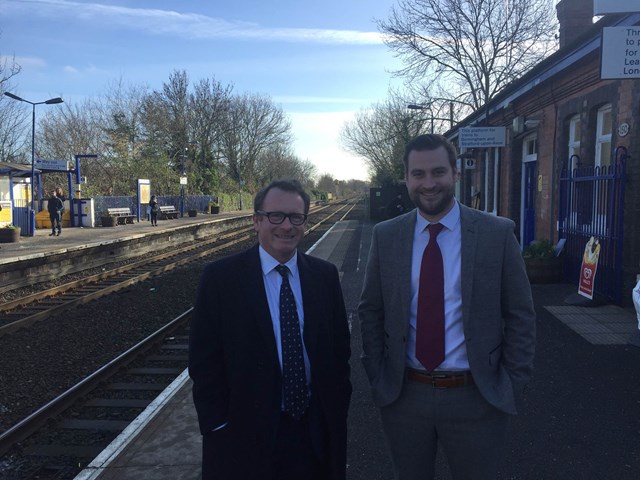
column 51, row 101
column 413, row 106
column 183, row 180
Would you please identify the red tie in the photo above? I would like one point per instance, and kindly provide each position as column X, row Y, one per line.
column 430, row 317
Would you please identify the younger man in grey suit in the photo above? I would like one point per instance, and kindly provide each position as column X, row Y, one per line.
column 483, row 345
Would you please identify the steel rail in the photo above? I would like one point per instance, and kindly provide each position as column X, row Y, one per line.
column 37, row 419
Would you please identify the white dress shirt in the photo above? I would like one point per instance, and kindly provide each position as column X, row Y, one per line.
column 272, row 282
column 449, row 240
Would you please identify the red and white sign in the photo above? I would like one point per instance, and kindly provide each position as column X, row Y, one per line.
column 589, row 267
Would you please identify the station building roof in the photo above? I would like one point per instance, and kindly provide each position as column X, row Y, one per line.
column 16, row 169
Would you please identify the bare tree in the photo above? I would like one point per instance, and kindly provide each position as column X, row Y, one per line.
column 280, row 162
column 469, row 49
column 254, row 124
column 379, row 134
column 13, row 126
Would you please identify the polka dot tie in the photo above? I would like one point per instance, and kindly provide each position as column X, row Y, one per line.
column 294, row 379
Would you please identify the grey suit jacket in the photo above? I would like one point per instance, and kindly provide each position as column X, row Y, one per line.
column 497, row 307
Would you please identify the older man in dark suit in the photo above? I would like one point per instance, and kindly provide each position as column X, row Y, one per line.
column 448, row 325
column 269, row 354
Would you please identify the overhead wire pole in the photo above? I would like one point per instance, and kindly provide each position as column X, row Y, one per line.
column 51, row 101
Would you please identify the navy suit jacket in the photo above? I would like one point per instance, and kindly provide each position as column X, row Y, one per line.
column 497, row 307
column 234, row 364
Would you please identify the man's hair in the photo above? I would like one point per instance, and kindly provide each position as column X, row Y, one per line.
column 430, row 141
column 292, row 186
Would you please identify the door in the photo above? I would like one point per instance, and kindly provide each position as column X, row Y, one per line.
column 529, row 186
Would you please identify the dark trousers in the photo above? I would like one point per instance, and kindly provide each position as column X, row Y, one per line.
column 56, row 222
column 154, row 218
column 294, row 455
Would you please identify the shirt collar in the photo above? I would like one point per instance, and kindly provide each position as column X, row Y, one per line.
column 268, row 263
column 450, row 220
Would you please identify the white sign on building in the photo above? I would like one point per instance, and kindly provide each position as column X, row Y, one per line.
column 620, row 53
column 600, row 7
column 482, row 137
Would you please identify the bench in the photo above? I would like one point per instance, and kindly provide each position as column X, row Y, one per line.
column 121, row 215
column 168, row 211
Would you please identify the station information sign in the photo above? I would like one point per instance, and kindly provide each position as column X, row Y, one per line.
column 600, row 7
column 620, row 52
column 46, row 164
column 482, row 137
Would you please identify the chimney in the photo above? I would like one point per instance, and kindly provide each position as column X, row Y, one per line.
column 575, row 17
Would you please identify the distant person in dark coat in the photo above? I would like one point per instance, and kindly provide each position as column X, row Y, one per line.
column 251, row 428
column 154, row 208
column 55, row 207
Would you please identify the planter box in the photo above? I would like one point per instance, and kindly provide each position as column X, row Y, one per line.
column 214, row 210
column 9, row 235
column 544, row 270
column 192, row 213
column 108, row 221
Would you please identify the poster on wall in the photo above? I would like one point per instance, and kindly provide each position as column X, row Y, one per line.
column 589, row 267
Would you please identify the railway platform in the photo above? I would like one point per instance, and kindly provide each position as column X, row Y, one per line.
column 75, row 238
column 580, row 417
column 164, row 442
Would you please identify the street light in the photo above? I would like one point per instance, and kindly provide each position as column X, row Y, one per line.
column 413, row 106
column 183, row 181
column 51, row 101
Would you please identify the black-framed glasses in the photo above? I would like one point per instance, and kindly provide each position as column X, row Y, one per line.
column 278, row 217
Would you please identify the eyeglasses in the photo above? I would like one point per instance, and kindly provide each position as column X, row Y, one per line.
column 278, row 217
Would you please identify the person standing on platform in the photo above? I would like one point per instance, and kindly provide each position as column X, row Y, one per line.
column 269, row 354
column 55, row 208
column 448, row 324
column 60, row 194
column 154, row 208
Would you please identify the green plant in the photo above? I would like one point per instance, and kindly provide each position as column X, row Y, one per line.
column 11, row 227
column 539, row 249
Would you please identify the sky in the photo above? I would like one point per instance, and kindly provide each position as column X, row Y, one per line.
column 321, row 61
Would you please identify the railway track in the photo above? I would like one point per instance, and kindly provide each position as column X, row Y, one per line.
column 27, row 310
column 64, row 435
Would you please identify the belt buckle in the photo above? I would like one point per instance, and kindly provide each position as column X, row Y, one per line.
column 435, row 377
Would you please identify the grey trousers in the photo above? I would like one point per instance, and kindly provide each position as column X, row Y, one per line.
column 470, row 431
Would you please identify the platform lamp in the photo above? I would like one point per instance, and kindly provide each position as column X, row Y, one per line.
column 413, row 106
column 51, row 101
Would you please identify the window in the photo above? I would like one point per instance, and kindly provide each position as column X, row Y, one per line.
column 575, row 127
column 603, row 136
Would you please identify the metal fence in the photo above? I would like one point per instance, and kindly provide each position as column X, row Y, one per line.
column 191, row 202
column 592, row 205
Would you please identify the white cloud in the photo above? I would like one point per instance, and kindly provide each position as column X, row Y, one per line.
column 186, row 25
column 24, row 62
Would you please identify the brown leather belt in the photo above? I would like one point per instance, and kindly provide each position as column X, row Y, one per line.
column 441, row 380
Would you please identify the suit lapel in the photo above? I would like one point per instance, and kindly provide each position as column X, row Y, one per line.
column 404, row 249
column 254, row 292
column 310, row 288
column 469, row 234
